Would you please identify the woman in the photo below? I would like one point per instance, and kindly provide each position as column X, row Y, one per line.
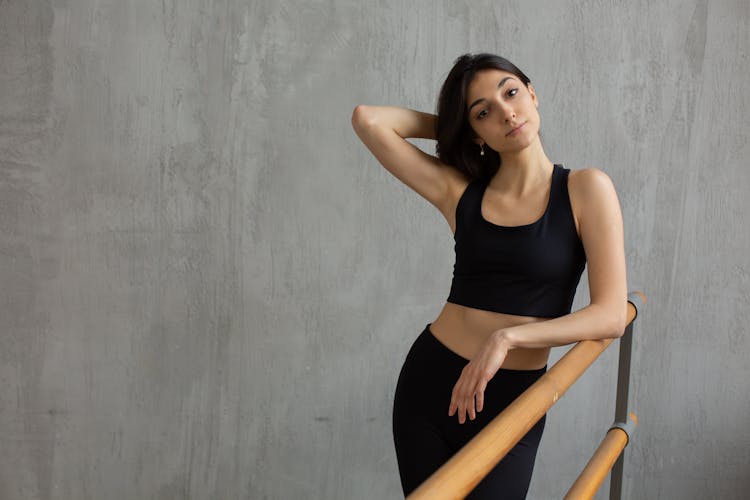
column 524, row 229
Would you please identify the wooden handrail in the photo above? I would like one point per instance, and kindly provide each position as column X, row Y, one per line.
column 462, row 472
column 600, row 464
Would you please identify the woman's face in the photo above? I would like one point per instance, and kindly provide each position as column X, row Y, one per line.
column 502, row 110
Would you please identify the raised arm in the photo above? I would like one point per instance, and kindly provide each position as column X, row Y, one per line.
column 405, row 122
column 384, row 129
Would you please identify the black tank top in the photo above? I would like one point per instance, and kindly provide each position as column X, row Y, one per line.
column 530, row 270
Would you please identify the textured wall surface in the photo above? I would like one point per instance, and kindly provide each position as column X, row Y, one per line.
column 209, row 284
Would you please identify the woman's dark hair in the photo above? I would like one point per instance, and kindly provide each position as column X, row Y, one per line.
column 455, row 145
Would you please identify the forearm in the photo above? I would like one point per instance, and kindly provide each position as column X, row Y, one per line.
column 593, row 322
column 405, row 122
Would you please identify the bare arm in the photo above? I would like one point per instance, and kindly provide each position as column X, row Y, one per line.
column 405, row 122
column 602, row 235
column 595, row 202
column 384, row 129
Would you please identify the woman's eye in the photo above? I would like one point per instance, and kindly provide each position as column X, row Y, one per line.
column 515, row 91
column 481, row 114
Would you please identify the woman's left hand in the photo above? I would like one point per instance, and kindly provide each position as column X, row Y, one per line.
column 475, row 376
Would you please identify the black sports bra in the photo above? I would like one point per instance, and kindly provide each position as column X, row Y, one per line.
column 529, row 270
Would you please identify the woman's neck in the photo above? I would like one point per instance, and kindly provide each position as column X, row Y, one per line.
column 522, row 171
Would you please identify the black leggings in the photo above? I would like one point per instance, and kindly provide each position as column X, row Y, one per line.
column 426, row 437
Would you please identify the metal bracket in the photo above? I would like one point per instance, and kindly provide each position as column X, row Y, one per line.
column 636, row 299
column 627, row 427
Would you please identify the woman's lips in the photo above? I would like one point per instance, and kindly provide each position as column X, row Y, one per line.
column 516, row 130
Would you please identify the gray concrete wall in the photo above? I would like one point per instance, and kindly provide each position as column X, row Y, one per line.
column 209, row 285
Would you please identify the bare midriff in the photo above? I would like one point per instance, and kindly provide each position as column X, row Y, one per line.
column 464, row 330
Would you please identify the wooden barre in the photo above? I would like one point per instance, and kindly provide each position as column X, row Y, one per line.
column 601, row 462
column 462, row 472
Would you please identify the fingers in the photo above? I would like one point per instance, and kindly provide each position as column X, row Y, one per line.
column 463, row 409
column 480, row 395
column 468, row 396
column 459, row 396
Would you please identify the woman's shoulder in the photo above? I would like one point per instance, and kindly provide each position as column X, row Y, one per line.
column 590, row 190
column 458, row 181
column 588, row 181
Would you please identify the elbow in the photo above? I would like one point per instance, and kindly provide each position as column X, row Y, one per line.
column 618, row 330
column 618, row 322
column 612, row 321
column 362, row 116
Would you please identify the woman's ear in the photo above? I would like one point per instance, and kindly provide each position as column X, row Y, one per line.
column 534, row 98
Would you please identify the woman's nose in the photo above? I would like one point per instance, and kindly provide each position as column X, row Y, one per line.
column 508, row 113
column 506, row 110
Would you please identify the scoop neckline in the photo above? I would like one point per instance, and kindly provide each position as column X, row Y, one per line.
column 555, row 169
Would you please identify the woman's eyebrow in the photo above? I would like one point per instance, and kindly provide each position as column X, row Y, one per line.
column 502, row 82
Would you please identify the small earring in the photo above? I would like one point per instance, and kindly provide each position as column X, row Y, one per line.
column 482, row 150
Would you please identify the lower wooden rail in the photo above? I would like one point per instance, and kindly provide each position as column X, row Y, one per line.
column 459, row 475
column 601, row 462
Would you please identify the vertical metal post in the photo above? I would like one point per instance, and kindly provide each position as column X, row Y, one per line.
column 623, row 390
column 621, row 406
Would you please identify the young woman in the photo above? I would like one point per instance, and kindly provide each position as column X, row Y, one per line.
column 524, row 230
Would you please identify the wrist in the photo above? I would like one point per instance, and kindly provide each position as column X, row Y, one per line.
column 503, row 338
